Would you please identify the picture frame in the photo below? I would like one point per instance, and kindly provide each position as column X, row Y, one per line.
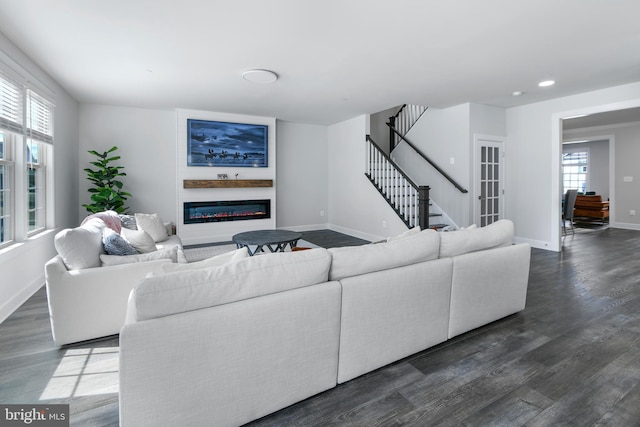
column 226, row 144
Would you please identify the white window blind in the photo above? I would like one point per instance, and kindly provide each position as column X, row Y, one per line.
column 39, row 117
column 11, row 107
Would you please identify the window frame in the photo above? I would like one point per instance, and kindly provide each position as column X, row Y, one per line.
column 585, row 172
column 27, row 113
column 7, row 234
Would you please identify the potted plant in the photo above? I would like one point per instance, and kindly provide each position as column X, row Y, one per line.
column 106, row 193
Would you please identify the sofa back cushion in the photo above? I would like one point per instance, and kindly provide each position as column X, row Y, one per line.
column 81, row 247
column 355, row 260
column 182, row 291
column 499, row 233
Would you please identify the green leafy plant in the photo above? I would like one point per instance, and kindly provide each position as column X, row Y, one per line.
column 106, row 193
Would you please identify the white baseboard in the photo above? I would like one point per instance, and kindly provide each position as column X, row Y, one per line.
column 625, row 226
column 14, row 303
column 301, row 228
column 539, row 244
column 355, row 233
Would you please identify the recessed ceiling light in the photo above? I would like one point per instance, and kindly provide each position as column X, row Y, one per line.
column 260, row 76
column 546, row 83
column 517, row 93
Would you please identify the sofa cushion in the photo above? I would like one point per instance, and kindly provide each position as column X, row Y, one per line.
column 81, row 247
column 214, row 261
column 115, row 244
column 499, row 233
column 171, row 254
column 152, row 224
column 355, row 260
column 255, row 276
column 139, row 239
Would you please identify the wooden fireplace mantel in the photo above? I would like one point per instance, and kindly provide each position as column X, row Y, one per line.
column 227, row 183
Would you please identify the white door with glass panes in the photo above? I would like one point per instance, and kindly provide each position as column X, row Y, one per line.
column 488, row 171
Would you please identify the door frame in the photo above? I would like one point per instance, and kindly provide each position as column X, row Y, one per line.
column 556, row 162
column 477, row 140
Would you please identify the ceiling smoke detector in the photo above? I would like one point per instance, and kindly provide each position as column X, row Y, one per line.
column 260, row 76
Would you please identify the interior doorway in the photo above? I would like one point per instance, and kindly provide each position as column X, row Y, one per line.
column 598, row 121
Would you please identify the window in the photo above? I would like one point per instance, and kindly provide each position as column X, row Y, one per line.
column 6, row 224
column 26, row 137
column 35, row 188
column 575, row 170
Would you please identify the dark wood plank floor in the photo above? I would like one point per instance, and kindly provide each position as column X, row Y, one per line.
column 572, row 357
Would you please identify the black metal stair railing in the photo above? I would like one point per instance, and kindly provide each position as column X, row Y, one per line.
column 428, row 160
column 403, row 121
column 409, row 200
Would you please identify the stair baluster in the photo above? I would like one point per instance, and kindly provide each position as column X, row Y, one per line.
column 408, row 200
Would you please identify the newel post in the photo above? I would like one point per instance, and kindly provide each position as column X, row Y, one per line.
column 392, row 135
column 423, row 206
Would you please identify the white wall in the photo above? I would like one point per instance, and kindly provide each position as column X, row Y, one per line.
column 355, row 206
column 21, row 266
column 146, row 140
column 379, row 131
column 533, row 177
column 302, row 176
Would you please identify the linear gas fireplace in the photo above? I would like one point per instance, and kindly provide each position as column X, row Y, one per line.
column 229, row 210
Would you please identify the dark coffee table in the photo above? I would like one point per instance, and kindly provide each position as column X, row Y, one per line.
column 275, row 240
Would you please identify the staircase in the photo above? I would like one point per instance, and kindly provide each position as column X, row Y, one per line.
column 409, row 200
column 403, row 121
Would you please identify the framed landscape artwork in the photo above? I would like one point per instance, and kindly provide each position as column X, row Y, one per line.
column 211, row 143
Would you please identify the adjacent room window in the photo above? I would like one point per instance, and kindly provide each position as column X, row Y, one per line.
column 575, row 168
column 26, row 140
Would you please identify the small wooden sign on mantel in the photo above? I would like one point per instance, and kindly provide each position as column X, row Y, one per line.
column 227, row 183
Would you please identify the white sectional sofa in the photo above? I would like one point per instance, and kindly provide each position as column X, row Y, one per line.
column 88, row 289
column 227, row 345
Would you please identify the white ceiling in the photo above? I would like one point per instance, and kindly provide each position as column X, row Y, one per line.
column 336, row 58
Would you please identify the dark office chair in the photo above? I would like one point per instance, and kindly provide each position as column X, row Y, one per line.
column 567, row 210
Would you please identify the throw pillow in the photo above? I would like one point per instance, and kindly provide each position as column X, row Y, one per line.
column 128, row 221
column 152, row 224
column 214, row 261
column 140, row 240
column 108, row 260
column 110, row 219
column 410, row 232
column 114, row 244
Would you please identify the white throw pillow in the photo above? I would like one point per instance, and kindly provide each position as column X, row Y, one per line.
column 409, row 232
column 81, row 247
column 139, row 239
column 109, row 260
column 214, row 261
column 152, row 224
